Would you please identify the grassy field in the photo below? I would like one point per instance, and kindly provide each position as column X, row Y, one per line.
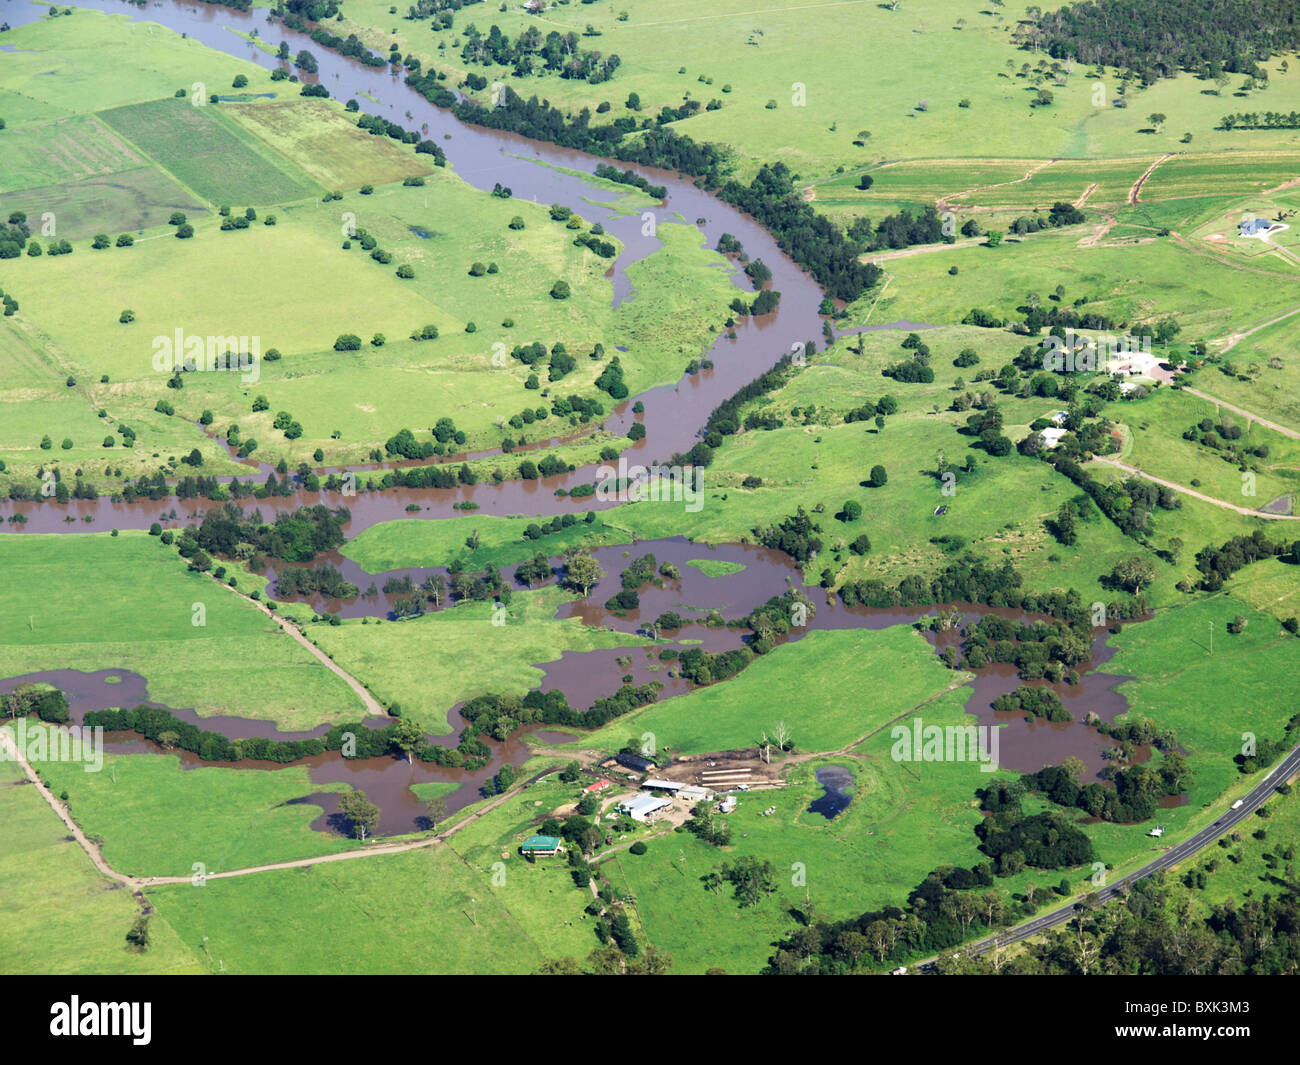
column 1210, row 700
column 1155, row 444
column 827, row 687
column 416, row 542
column 431, row 663
column 756, row 62
column 461, row 915
column 95, row 601
column 1271, row 587
column 57, row 66
column 203, row 150
column 326, row 145
column 57, row 914
column 1267, row 361
column 158, row 818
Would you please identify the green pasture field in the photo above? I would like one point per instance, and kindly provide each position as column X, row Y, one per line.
column 60, row 65
column 1270, row 586
column 1270, row 391
column 323, row 918
column 59, row 915
column 1208, row 699
column 157, row 818
column 831, row 688
column 209, row 153
column 328, row 147
column 63, row 151
column 433, row 662
column 95, row 601
column 715, row 567
column 766, row 55
column 129, row 201
column 412, row 542
column 1131, row 284
column 1243, row 172
column 1156, row 445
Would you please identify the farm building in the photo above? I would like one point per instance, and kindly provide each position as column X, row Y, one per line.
column 663, row 785
column 634, row 762
column 1254, row 227
column 694, row 793
column 643, row 808
column 599, row 785
column 541, row 846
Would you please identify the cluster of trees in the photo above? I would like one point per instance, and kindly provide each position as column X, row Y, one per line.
column 705, row 667
column 939, row 913
column 1137, row 788
column 909, row 226
column 295, row 537
column 48, row 704
column 1256, row 120
column 774, row 618
column 1014, row 840
column 810, row 239
column 446, row 437
column 323, row 580
column 1050, row 649
column 531, row 53
column 13, row 237
column 1040, row 702
column 631, row 177
column 499, row 715
column 635, row 576
column 798, row 536
column 1158, row 38
column 1217, row 564
column 969, row 579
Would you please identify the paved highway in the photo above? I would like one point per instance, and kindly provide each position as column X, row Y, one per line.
column 1285, row 769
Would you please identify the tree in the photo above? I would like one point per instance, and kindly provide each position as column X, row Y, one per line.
column 1132, row 574
column 878, row 477
column 407, row 736
column 1157, row 120
column 560, row 290
column 436, row 810
column 363, row 813
column 581, row 572
column 240, row 82
column 852, row 511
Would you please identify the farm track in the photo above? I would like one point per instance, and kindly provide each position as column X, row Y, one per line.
column 1194, row 493
column 1136, row 190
